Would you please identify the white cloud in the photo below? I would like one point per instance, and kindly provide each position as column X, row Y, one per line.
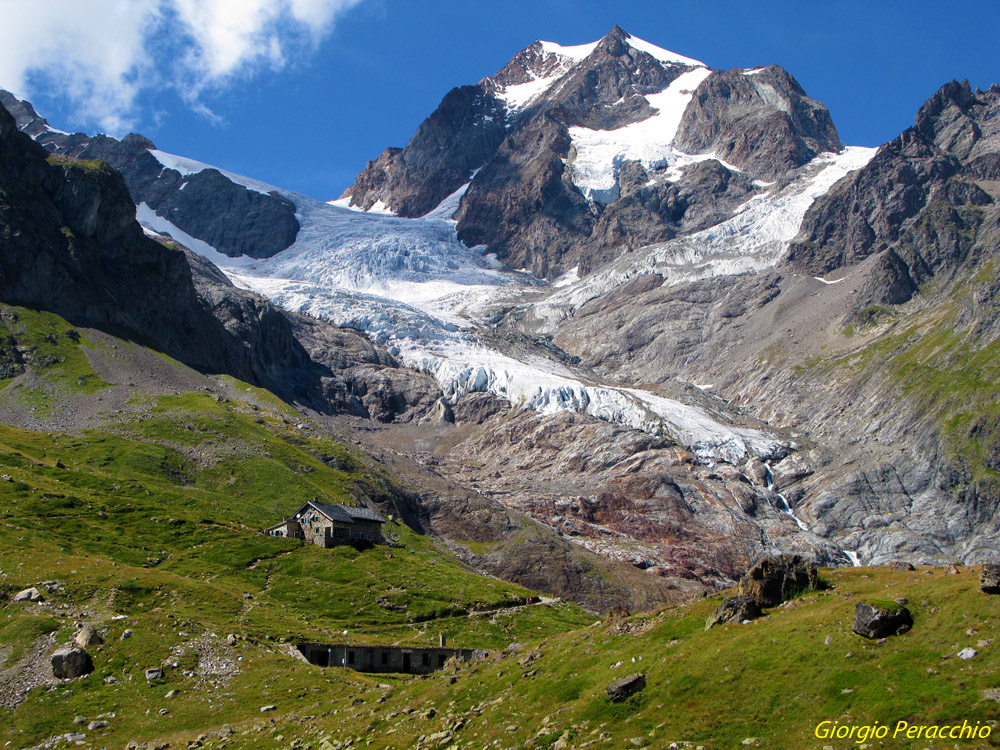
column 101, row 54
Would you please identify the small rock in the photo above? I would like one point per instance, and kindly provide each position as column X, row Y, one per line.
column 170, row 694
column 952, row 570
column 900, row 565
column 127, row 634
column 993, row 694
column 163, row 711
column 750, row 741
column 638, row 742
column 154, row 673
column 97, row 725
column 967, row 653
column 622, row 689
column 79, row 719
column 829, row 640
column 226, row 732
column 901, row 600
column 74, row 737
column 989, row 579
column 264, row 709
column 110, row 680
column 29, row 595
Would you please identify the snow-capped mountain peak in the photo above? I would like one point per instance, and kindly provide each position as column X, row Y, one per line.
column 533, row 72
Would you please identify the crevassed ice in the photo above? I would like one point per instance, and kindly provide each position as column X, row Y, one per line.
column 407, row 282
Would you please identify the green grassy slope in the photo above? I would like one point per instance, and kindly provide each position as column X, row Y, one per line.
column 152, row 523
column 774, row 680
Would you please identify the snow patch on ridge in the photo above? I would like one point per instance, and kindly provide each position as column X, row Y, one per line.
column 191, row 166
column 663, row 55
column 447, row 208
column 575, row 53
column 755, row 238
column 600, row 153
column 149, row 219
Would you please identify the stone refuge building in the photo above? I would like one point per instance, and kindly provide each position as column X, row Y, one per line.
column 404, row 659
column 328, row 525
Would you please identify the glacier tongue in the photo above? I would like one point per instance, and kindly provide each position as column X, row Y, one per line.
column 412, row 286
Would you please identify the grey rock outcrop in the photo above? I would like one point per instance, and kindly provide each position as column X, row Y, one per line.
column 915, row 204
column 989, row 579
column 880, row 619
column 735, row 609
column 68, row 663
column 763, row 123
column 626, row 687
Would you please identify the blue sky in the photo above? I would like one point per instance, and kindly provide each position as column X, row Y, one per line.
column 318, row 87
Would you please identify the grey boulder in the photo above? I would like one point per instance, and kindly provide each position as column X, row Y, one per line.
column 735, row 609
column 68, row 663
column 29, row 595
column 626, row 687
column 880, row 619
column 989, row 579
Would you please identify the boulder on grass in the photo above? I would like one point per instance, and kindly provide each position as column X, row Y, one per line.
column 88, row 636
column 900, row 565
column 989, row 579
column 775, row 579
column 735, row 609
column 622, row 689
column 29, row 595
column 68, row 663
column 878, row 619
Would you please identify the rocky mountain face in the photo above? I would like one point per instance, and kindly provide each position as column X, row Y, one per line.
column 880, row 372
column 71, row 245
column 929, row 176
column 201, row 201
column 529, row 141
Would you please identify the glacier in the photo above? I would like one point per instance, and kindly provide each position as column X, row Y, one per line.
column 414, row 288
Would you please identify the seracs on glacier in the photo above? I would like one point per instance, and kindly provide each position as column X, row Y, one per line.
column 414, row 288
